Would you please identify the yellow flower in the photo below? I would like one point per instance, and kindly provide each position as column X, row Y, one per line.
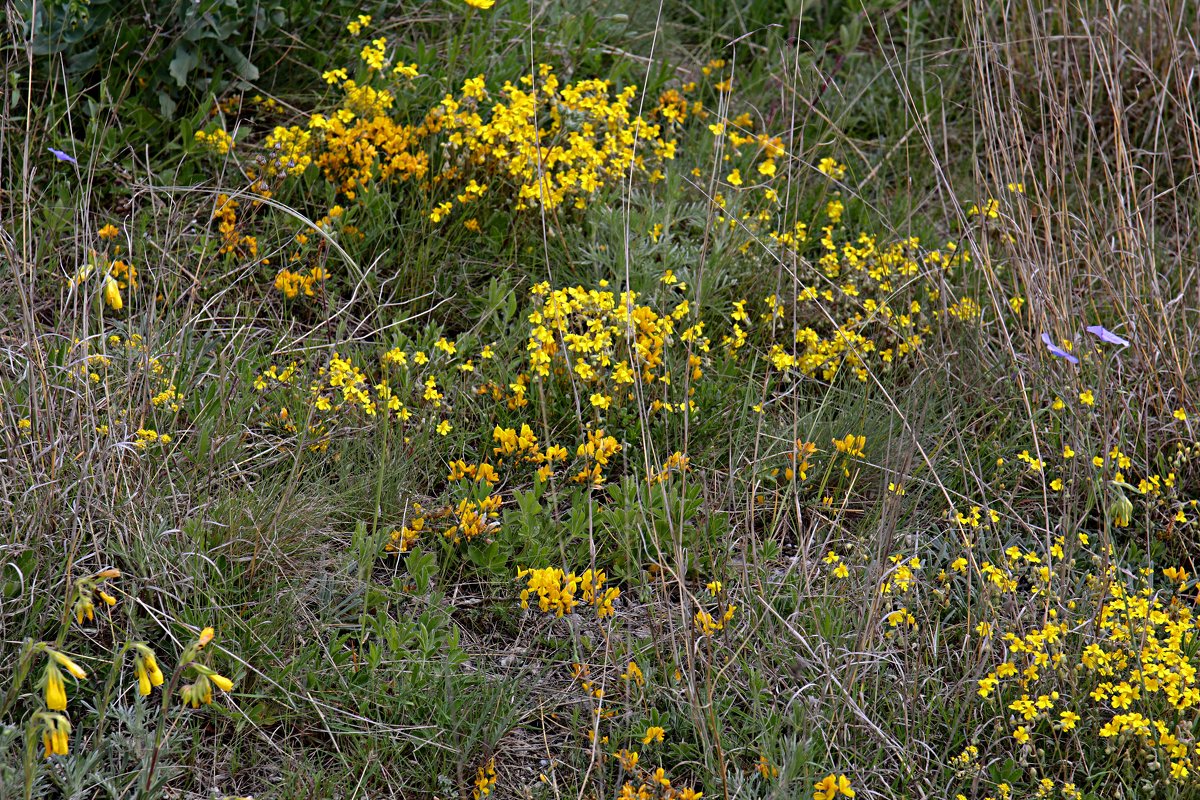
column 222, row 683
column 483, row 5
column 206, row 636
column 143, row 677
column 832, row 168
column 1069, row 718
column 830, row 787
column 55, row 729
column 1180, row 415
column 1087, row 398
column 56, row 691
column 653, row 734
column 825, row 789
column 66, row 662
column 444, row 427
column 108, row 232
column 112, row 293
column 735, row 178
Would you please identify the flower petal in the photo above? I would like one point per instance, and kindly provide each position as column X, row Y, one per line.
column 1105, row 335
column 63, row 156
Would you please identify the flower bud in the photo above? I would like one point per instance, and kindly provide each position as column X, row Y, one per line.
column 1120, row 511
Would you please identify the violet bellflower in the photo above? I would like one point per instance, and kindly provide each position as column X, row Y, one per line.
column 1055, row 350
column 63, row 156
column 1105, row 335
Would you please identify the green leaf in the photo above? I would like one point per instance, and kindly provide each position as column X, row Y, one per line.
column 241, row 65
column 183, row 63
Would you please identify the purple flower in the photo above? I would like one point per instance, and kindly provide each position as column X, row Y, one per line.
column 61, row 156
column 1055, row 350
column 1105, row 335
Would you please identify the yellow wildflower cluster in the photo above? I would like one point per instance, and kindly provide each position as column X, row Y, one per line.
column 830, row 787
column 115, row 275
column 608, row 342
column 473, row 518
column 1112, row 667
column 233, row 241
column 589, row 140
column 200, row 691
column 52, row 722
column 708, row 623
column 855, row 321
column 649, row 784
column 485, row 780
column 305, row 282
column 107, row 368
column 556, row 590
column 403, row 539
column 215, row 141
column 676, row 463
column 596, row 451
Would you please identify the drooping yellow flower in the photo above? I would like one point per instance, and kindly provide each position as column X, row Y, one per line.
column 55, row 730
column 146, row 667
column 112, row 293
column 56, row 691
column 67, row 663
column 206, row 636
column 221, row 682
column 143, row 677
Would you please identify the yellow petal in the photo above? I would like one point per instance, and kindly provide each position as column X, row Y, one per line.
column 70, row 665
column 56, row 692
column 143, row 678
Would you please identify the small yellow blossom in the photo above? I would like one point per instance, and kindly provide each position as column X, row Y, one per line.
column 653, row 734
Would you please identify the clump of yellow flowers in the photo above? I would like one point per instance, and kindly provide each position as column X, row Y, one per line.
column 556, row 590
column 51, row 723
column 199, row 691
column 115, row 274
column 590, row 141
column 1104, row 673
